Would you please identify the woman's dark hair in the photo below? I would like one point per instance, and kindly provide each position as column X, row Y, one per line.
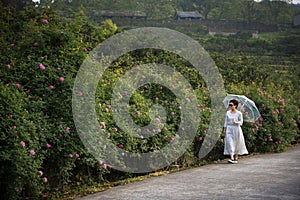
column 235, row 102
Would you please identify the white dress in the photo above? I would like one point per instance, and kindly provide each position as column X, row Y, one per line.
column 234, row 139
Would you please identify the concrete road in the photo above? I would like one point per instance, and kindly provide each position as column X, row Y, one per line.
column 268, row 176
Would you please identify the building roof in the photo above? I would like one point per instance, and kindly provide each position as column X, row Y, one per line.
column 189, row 14
column 297, row 20
column 105, row 13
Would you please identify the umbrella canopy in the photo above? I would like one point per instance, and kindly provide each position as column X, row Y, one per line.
column 246, row 106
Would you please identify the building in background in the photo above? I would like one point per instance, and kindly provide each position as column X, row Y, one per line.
column 191, row 15
column 296, row 20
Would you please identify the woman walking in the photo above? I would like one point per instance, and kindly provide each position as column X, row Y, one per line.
column 234, row 138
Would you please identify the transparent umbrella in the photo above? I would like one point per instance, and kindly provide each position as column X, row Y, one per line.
column 246, row 106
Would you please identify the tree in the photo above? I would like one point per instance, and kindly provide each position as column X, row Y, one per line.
column 17, row 4
column 186, row 5
column 248, row 10
column 207, row 6
column 275, row 12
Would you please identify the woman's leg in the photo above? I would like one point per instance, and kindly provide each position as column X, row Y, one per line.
column 236, row 156
column 232, row 158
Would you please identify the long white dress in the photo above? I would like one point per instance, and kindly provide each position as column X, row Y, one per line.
column 234, row 139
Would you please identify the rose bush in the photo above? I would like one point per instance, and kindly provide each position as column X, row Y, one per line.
column 40, row 56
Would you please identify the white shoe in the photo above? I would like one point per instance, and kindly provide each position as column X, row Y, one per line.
column 232, row 161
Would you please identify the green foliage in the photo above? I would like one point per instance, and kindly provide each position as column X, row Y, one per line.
column 283, row 44
column 22, row 144
column 267, row 12
column 279, row 125
column 40, row 57
column 144, row 98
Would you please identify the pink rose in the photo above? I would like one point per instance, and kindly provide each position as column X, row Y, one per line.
column 45, row 179
column 120, row 146
column 32, row 152
column 46, row 21
column 48, row 145
column 23, row 144
column 42, row 67
column 68, row 129
column 51, row 87
column 84, row 49
column 77, row 155
column 103, row 125
column 104, row 166
column 8, row 66
column 41, row 173
column 18, row 85
column 71, row 155
column 62, row 79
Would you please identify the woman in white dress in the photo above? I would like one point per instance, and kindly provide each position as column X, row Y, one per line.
column 234, row 138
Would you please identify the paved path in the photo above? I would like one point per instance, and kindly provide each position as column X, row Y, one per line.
column 268, row 176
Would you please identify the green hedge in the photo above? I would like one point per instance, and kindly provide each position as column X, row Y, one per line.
column 40, row 56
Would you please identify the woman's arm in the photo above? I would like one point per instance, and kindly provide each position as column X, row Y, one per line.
column 239, row 119
column 225, row 124
column 224, row 131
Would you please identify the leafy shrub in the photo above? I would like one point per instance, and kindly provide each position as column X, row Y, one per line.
column 22, row 145
column 40, row 57
column 278, row 125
